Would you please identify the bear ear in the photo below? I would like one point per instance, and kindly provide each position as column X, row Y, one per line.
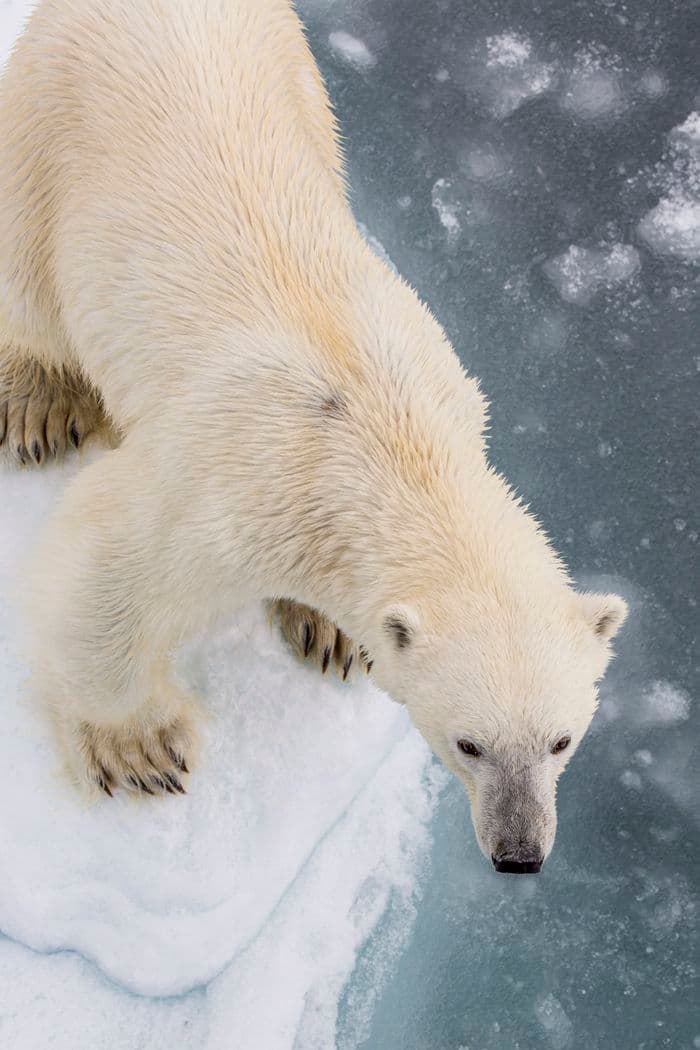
column 605, row 613
column 400, row 622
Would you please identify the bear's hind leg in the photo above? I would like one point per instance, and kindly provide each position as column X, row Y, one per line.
column 148, row 752
column 43, row 409
column 314, row 637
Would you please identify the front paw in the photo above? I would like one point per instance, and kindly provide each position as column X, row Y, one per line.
column 316, row 639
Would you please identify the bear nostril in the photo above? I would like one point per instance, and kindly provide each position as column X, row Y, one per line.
column 513, row 866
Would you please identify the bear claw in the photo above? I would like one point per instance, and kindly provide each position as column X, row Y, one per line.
column 314, row 637
column 42, row 410
column 143, row 758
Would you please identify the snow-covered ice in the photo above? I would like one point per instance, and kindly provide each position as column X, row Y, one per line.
column 579, row 272
column 307, row 817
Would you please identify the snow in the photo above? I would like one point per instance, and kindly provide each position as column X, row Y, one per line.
column 579, row 273
column 353, row 51
column 307, row 816
column 673, row 226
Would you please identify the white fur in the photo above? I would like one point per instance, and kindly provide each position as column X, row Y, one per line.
column 294, row 423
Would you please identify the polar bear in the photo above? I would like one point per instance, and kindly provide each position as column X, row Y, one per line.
column 180, row 269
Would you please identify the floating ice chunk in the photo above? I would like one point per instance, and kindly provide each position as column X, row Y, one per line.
column 355, row 52
column 653, row 84
column 664, row 704
column 448, row 206
column 673, row 226
column 549, row 333
column 688, row 132
column 581, row 272
column 557, row 1026
column 484, row 164
column 593, row 88
column 630, row 779
column 508, row 50
column 307, row 791
column 308, row 949
column 513, row 73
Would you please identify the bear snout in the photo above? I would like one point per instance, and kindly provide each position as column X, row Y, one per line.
column 525, row 860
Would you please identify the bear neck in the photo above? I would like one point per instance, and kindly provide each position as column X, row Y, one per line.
column 381, row 466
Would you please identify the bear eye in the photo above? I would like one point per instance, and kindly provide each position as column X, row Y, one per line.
column 561, row 745
column 467, row 748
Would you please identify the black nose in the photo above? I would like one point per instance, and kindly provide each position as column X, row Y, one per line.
column 513, row 866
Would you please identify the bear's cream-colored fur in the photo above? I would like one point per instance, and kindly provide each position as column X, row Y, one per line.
column 179, row 267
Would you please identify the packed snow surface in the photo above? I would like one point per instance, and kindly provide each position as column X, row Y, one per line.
column 306, row 818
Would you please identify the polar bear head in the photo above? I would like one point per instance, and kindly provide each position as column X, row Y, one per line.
column 503, row 688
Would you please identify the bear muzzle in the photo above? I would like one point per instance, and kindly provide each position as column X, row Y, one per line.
column 525, row 860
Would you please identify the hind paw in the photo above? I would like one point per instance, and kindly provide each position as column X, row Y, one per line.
column 137, row 757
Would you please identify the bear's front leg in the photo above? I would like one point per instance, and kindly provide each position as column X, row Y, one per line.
column 108, row 597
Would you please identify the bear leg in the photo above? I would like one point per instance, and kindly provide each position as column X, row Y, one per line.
column 105, row 607
column 314, row 637
column 148, row 753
